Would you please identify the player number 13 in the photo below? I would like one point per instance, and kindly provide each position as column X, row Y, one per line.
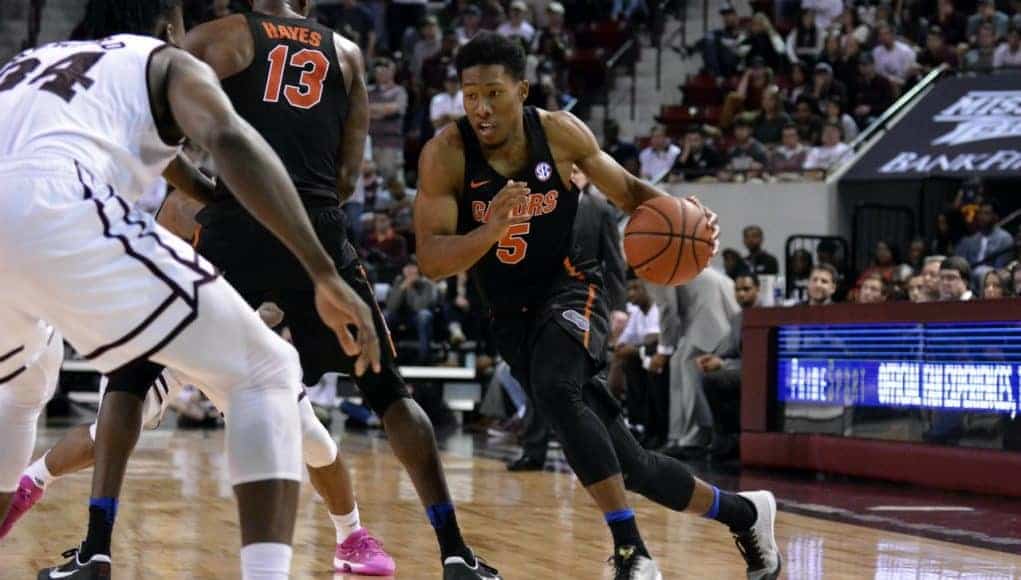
column 513, row 246
column 309, row 90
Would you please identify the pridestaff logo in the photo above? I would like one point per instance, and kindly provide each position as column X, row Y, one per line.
column 981, row 115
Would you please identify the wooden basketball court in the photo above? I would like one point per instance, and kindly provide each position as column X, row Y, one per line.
column 177, row 520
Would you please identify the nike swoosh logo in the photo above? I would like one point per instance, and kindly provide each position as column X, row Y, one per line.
column 478, row 184
column 56, row 574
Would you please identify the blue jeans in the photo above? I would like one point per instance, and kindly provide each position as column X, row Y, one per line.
column 424, row 326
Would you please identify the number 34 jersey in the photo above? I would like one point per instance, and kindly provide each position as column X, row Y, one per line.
column 86, row 102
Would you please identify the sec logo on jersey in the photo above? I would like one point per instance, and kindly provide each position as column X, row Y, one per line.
column 543, row 171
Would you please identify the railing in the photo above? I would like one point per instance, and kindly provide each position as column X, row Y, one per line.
column 750, row 175
column 627, row 47
column 656, row 33
column 882, row 123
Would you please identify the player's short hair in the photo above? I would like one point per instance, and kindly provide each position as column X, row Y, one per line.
column 108, row 17
column 490, row 48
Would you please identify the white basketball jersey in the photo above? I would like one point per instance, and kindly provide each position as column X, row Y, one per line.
column 86, row 102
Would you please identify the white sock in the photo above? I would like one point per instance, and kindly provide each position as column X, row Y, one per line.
column 346, row 524
column 39, row 473
column 266, row 561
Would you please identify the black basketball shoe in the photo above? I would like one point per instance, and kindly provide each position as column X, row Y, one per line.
column 96, row 568
column 456, row 568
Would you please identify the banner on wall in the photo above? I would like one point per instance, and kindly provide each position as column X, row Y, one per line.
column 964, row 127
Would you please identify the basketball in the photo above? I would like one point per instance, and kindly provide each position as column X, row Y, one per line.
column 668, row 241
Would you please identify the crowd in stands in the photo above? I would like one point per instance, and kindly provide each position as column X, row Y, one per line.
column 791, row 91
column 969, row 249
column 784, row 90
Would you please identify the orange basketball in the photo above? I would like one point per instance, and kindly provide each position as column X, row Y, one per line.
column 668, row 241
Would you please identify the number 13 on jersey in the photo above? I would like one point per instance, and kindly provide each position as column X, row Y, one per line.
column 513, row 246
column 310, row 89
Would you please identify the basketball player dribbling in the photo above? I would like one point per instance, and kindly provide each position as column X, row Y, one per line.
column 84, row 124
column 493, row 198
column 301, row 86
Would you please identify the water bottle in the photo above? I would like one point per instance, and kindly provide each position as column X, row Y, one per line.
column 779, row 288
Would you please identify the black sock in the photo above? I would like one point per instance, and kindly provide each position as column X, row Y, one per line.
column 444, row 522
column 624, row 528
column 738, row 513
column 102, row 513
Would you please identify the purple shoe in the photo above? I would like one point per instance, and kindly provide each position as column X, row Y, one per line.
column 364, row 555
column 27, row 495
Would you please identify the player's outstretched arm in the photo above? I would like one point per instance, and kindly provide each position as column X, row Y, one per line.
column 571, row 137
column 441, row 252
column 257, row 177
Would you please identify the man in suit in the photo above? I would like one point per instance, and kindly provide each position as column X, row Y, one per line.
column 595, row 231
column 721, row 374
column 694, row 319
column 989, row 247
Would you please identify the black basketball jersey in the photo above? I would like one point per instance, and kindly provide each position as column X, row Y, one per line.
column 521, row 268
column 293, row 94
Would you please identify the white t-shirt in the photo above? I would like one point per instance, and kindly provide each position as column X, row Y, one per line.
column 443, row 104
column 655, row 163
column 894, row 63
column 639, row 325
column 1004, row 57
column 526, row 30
column 826, row 157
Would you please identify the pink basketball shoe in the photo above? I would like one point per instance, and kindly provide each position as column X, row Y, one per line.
column 363, row 554
column 27, row 495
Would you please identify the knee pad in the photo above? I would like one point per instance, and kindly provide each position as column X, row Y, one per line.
column 264, row 430
column 318, row 447
column 662, row 479
column 21, row 401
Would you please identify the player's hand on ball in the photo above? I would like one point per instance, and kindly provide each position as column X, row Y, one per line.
column 713, row 223
column 513, row 195
column 341, row 308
